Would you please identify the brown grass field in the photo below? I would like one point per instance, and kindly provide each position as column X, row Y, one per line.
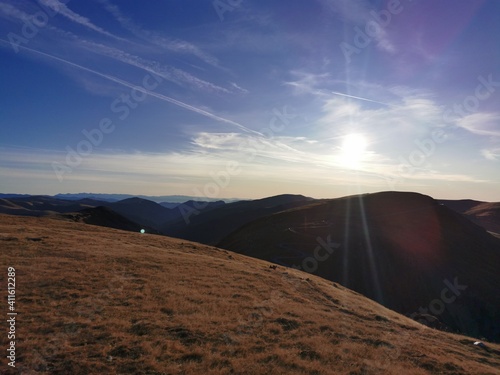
column 93, row 300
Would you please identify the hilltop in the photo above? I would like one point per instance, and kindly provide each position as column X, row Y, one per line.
column 95, row 300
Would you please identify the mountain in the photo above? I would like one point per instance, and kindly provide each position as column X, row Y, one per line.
column 169, row 204
column 207, row 205
column 485, row 214
column 95, row 300
column 460, row 205
column 209, row 224
column 43, row 205
column 133, row 214
column 143, row 212
column 158, row 199
column 105, row 217
column 404, row 250
column 7, row 196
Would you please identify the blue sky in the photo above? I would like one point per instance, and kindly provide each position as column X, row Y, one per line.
column 249, row 99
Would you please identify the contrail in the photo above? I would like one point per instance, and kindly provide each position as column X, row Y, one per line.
column 151, row 93
column 365, row 99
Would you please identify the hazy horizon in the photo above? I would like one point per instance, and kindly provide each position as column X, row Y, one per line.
column 233, row 199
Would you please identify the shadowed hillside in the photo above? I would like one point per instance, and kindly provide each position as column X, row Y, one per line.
column 143, row 212
column 402, row 249
column 485, row 214
column 94, row 300
column 43, row 205
column 211, row 224
column 104, row 217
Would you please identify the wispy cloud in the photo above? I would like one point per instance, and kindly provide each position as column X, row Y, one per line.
column 361, row 98
column 168, row 72
column 481, row 123
column 308, row 83
column 172, row 45
column 238, row 88
column 285, row 150
column 244, row 147
column 171, row 73
column 9, row 11
column 357, row 14
column 63, row 10
column 492, row 154
column 434, row 175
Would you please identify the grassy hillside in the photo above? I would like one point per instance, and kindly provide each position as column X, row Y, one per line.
column 93, row 300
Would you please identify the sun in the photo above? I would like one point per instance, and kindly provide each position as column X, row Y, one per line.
column 353, row 151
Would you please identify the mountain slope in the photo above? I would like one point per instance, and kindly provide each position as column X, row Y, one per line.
column 211, row 224
column 95, row 300
column 143, row 212
column 403, row 250
column 43, row 205
column 104, row 217
column 485, row 214
column 460, row 205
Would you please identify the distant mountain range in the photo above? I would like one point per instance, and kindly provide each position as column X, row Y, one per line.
column 39, row 205
column 167, row 199
column 144, row 213
column 206, row 221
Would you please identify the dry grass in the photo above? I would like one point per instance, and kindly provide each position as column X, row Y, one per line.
column 93, row 300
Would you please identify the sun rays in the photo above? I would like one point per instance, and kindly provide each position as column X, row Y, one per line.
column 353, row 151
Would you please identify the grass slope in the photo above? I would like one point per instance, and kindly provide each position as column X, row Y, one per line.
column 94, row 300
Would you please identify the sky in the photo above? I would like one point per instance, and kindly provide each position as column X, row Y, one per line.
column 248, row 99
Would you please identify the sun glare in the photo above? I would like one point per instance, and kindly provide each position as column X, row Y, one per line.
column 353, row 151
